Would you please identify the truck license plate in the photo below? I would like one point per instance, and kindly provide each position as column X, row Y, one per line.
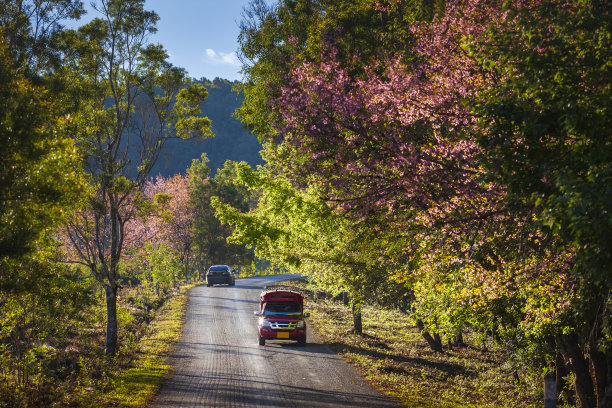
column 282, row 335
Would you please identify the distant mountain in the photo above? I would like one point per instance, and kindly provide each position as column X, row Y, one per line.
column 231, row 141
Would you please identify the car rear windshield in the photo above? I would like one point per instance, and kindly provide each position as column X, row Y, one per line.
column 284, row 308
column 217, row 269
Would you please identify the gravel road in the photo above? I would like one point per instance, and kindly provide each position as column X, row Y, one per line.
column 218, row 362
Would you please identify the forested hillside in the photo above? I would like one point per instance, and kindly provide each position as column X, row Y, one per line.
column 231, row 141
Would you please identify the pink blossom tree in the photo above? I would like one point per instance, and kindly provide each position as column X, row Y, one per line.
column 174, row 222
column 413, row 137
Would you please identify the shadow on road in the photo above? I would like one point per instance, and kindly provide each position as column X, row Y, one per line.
column 244, row 390
column 288, row 349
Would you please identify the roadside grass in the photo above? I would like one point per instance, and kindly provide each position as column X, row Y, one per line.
column 392, row 355
column 140, row 376
column 150, row 324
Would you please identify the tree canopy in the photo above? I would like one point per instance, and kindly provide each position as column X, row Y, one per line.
column 476, row 136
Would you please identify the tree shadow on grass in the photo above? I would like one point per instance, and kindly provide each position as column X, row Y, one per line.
column 448, row 368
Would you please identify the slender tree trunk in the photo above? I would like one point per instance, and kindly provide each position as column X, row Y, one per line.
column 111, row 288
column 201, row 266
column 357, row 323
column 560, row 374
column 187, row 269
column 599, row 365
column 188, row 262
column 207, row 258
column 111, row 322
column 568, row 344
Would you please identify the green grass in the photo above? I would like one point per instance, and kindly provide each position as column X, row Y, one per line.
column 392, row 355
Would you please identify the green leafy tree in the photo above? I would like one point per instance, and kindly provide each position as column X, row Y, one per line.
column 35, row 188
column 132, row 102
column 211, row 235
column 45, row 303
column 206, row 228
column 40, row 182
column 165, row 267
column 299, row 231
column 265, row 51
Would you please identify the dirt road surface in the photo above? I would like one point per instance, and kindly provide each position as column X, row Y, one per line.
column 218, row 362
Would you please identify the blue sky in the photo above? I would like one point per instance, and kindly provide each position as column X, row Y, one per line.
column 200, row 35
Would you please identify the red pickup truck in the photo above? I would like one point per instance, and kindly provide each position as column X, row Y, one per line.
column 281, row 316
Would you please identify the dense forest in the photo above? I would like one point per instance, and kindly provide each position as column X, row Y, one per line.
column 231, row 142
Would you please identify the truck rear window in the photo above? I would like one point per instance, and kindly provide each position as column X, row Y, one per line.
column 286, row 309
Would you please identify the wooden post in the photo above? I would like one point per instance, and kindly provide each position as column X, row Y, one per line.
column 550, row 392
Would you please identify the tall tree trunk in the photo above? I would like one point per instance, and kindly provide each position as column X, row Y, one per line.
column 187, row 268
column 357, row 324
column 599, row 363
column 569, row 347
column 201, row 264
column 111, row 322
column 188, row 262
column 111, row 287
